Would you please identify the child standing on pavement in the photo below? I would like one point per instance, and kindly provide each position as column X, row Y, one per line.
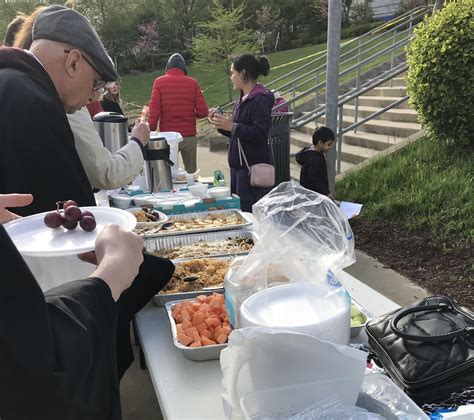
column 314, row 174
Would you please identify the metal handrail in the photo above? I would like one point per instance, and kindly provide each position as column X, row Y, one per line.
column 349, row 70
column 402, row 16
column 407, row 18
column 349, row 96
column 394, row 29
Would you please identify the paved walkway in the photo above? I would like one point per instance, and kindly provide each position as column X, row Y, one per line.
column 138, row 397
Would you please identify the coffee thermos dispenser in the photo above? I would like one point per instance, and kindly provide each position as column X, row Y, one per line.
column 112, row 128
column 158, row 164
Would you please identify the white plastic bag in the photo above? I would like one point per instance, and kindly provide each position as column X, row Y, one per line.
column 259, row 359
column 303, row 238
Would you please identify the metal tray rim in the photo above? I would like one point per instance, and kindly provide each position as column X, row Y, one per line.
column 236, row 233
column 184, row 216
column 192, row 353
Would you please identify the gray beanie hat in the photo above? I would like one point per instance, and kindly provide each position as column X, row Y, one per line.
column 61, row 24
column 176, row 60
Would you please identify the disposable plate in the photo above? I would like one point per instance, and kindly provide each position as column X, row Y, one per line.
column 33, row 238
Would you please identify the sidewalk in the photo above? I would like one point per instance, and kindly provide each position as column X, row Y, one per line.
column 138, row 397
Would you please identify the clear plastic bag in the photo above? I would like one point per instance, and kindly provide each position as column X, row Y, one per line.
column 303, row 238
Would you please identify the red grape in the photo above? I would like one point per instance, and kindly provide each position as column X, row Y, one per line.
column 87, row 213
column 53, row 219
column 69, row 203
column 88, row 223
column 69, row 225
column 73, row 214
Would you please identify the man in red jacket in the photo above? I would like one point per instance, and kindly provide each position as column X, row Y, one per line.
column 176, row 101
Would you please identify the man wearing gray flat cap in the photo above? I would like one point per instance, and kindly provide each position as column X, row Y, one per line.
column 86, row 333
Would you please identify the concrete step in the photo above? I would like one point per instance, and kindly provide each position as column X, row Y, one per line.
column 395, row 91
column 388, row 128
column 355, row 154
column 370, row 140
column 401, row 115
column 396, row 82
column 380, row 101
column 300, row 139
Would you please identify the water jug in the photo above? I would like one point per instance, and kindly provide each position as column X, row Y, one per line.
column 158, row 165
column 112, row 128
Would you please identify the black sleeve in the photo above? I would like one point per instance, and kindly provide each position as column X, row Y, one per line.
column 316, row 174
column 57, row 351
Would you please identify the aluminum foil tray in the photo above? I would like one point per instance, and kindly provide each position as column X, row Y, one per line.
column 163, row 299
column 193, row 353
column 246, row 223
column 169, row 242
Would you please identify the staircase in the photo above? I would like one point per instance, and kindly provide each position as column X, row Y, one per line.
column 372, row 137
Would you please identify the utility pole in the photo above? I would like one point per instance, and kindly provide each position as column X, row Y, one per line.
column 332, row 82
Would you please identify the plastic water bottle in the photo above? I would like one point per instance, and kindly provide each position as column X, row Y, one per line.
column 236, row 292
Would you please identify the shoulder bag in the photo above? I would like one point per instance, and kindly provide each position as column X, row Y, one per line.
column 261, row 174
column 426, row 347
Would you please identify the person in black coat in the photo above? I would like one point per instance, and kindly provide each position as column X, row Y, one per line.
column 111, row 100
column 250, row 123
column 58, row 349
column 314, row 173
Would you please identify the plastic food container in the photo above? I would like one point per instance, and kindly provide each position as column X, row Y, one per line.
column 198, row 190
column 355, row 331
column 378, row 395
column 121, row 201
column 219, row 193
column 193, row 353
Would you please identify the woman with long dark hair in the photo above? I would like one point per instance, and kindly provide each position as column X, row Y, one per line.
column 111, row 100
column 250, row 123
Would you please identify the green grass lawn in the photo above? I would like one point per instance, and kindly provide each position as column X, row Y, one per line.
column 426, row 184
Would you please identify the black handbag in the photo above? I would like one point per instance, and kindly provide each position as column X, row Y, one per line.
column 426, row 347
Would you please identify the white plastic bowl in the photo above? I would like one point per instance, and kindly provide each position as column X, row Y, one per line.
column 144, row 199
column 121, row 201
column 219, row 193
column 198, row 190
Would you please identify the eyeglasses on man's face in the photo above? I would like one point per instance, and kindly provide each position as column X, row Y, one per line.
column 98, row 84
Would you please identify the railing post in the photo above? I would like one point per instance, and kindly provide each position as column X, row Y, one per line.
column 339, row 139
column 294, row 94
column 316, row 98
column 392, row 61
column 356, row 108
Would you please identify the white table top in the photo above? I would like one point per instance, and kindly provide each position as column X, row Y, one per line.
column 191, row 390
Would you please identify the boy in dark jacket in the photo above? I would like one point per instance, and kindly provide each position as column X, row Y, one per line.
column 314, row 174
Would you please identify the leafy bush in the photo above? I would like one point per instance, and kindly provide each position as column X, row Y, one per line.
column 440, row 73
column 361, row 12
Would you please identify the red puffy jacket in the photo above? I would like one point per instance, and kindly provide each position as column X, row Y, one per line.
column 176, row 101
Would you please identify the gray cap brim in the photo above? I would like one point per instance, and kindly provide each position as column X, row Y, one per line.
column 61, row 24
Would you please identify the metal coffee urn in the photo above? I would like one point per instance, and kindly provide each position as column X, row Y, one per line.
column 112, row 128
column 158, row 164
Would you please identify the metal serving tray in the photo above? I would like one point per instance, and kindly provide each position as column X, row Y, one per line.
column 193, row 353
column 246, row 222
column 169, row 242
column 162, row 300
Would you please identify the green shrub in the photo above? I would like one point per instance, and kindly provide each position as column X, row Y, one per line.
column 440, row 73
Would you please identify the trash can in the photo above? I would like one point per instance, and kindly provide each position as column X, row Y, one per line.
column 279, row 140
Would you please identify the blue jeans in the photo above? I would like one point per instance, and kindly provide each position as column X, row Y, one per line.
column 240, row 185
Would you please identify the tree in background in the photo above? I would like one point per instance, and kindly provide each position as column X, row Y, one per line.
column 222, row 36
column 148, row 43
column 268, row 20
